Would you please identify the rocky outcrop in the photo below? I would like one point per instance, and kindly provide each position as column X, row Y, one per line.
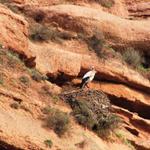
column 120, row 33
column 140, row 10
column 14, row 31
column 18, row 1
column 133, row 100
column 55, row 61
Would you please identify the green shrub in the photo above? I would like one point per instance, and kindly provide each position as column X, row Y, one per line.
column 91, row 108
column 46, row 110
column 14, row 105
column 95, row 41
column 14, row 8
column 107, row 124
column 132, row 57
column 1, row 45
column 84, row 115
column 25, row 80
column 36, row 75
column 41, row 33
column 48, row 143
column 1, row 79
column 39, row 16
column 4, row 1
column 58, row 121
column 124, row 140
column 101, row 124
column 106, row 3
column 13, row 59
column 46, row 90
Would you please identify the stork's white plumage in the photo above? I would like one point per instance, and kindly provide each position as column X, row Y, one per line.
column 88, row 77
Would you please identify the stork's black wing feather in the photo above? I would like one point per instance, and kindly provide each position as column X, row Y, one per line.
column 84, row 82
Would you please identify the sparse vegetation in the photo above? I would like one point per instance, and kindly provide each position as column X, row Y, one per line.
column 84, row 115
column 46, row 110
column 39, row 16
column 1, row 79
column 1, row 45
column 1, row 61
column 102, row 124
column 36, row 75
column 124, row 140
column 144, row 71
column 106, row 3
column 58, row 121
column 11, row 6
column 95, row 42
column 13, row 59
column 92, row 110
column 46, row 90
column 82, row 144
column 107, row 124
column 55, row 98
column 14, row 8
column 25, row 108
column 42, row 33
column 48, row 143
column 132, row 57
column 25, row 80
column 4, row 1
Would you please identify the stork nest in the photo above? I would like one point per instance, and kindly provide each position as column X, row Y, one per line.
column 92, row 109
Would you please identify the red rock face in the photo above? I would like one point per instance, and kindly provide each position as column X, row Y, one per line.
column 19, row 1
column 128, row 90
column 14, row 31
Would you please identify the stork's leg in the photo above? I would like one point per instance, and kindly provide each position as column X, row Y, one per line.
column 83, row 85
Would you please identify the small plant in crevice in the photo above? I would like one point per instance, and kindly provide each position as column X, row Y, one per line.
column 107, row 124
column 58, row 121
column 36, row 75
column 124, row 140
column 4, row 1
column 95, row 42
column 42, row 33
column 106, row 3
column 1, row 45
column 81, row 144
column 55, row 98
column 13, row 59
column 45, row 90
column 144, row 71
column 132, row 57
column 46, row 110
column 25, row 80
column 39, row 16
column 48, row 143
column 1, row 79
column 15, row 105
column 14, row 8
column 25, row 108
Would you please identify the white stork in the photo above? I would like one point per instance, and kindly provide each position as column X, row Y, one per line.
column 88, row 77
